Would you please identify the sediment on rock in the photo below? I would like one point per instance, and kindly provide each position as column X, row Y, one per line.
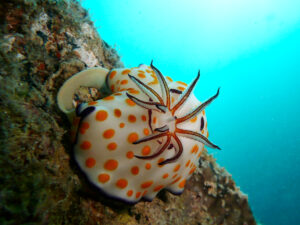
column 42, row 44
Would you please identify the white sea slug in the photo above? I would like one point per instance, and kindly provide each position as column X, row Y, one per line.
column 147, row 135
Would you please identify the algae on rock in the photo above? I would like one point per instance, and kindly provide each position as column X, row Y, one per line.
column 42, row 43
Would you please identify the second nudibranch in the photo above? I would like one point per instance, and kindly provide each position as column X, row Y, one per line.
column 147, row 135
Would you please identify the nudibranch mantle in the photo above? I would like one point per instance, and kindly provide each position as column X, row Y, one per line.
column 147, row 135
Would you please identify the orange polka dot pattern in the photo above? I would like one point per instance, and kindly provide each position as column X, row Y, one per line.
column 105, row 148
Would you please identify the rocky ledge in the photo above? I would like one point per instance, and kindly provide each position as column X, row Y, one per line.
column 42, row 44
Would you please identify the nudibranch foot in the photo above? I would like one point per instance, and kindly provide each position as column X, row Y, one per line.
column 146, row 135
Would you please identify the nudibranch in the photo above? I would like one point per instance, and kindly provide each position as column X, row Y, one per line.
column 147, row 135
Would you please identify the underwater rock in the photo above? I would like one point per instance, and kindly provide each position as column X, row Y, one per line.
column 42, row 43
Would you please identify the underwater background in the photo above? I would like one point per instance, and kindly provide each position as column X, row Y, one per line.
column 248, row 48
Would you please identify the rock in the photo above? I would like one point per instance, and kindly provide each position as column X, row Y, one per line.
column 42, row 44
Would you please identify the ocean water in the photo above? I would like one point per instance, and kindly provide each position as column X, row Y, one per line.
column 249, row 48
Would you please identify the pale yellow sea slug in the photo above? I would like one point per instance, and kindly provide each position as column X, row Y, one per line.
column 147, row 135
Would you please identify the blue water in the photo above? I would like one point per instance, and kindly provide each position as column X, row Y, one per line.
column 251, row 49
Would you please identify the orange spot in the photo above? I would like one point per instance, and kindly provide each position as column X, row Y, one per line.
column 159, row 187
column 124, row 72
column 111, row 164
column 133, row 91
column 101, row 115
column 181, row 88
column 129, row 193
column 109, row 133
column 155, row 80
column 182, row 183
column 172, row 99
column 112, row 146
column 146, row 184
column 202, row 131
column 117, row 112
column 81, row 130
column 207, row 134
column 148, row 71
column 141, row 75
column 177, row 179
column 192, row 170
column 165, row 175
column 131, row 118
column 148, row 166
column 86, row 145
column 121, row 125
column 175, row 175
column 138, row 194
column 130, row 102
column 92, row 103
column 112, row 74
column 132, row 137
column 159, row 161
column 135, row 170
column 103, row 178
column 203, row 112
column 146, row 131
column 182, row 83
column 108, row 98
column 194, row 119
column 112, row 87
column 84, row 126
column 90, row 162
column 200, row 153
column 117, row 94
column 169, row 78
column 123, row 82
column 146, row 150
column 144, row 118
column 154, row 119
column 177, row 167
column 144, row 193
column 188, row 163
column 129, row 155
column 194, row 149
column 122, row 183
